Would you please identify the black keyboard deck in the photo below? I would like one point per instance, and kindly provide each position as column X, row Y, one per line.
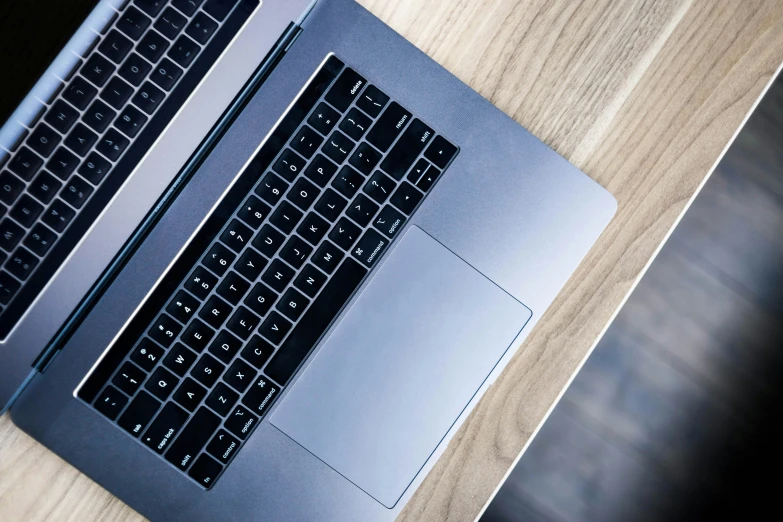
column 90, row 136
column 261, row 281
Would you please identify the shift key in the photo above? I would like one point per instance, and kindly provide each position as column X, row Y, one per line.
column 407, row 149
column 195, row 435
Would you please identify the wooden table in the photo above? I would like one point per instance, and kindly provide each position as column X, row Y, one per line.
column 641, row 95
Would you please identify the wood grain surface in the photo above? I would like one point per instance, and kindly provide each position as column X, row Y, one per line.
column 641, row 95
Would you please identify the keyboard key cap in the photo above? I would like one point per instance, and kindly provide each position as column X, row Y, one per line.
column 62, row 163
column 147, row 354
column 8, row 287
column 201, row 28
column 201, row 283
column 355, row 124
column 236, row 236
column 365, row 158
column 223, row 446
column 135, row 69
column 327, row 257
column 348, row 181
column 151, row 7
column 418, row 170
column 10, row 187
column 306, row 142
column 222, row 399
column 179, row 360
column 372, row 101
column 257, row 351
column 321, row 170
column 43, row 140
column 97, row 69
column 250, row 264
column 440, row 152
column 81, row 139
column 129, row 378
column 389, row 126
column 406, row 197
column 40, row 240
column 260, row 396
column 271, row 189
column 370, row 247
column 295, row 252
column 313, row 228
column 233, row 288
column 115, row 46
column 21, row 263
column 303, row 194
column 183, row 306
column 345, row 89
column 268, row 240
column 130, row 121
column 314, row 322
column 407, row 149
column 345, row 233
column 197, row 335
column 292, row 304
column 110, row 402
column 275, row 328
column 170, row 23
column 331, row 205
column 152, row 46
column 243, row 322
column 26, row 211
column 218, row 259
column 310, row 280
column 139, row 413
column 428, row 179
column 148, row 98
column 286, row 217
column 133, row 23
column 379, row 187
column 25, row 164
column 166, row 74
column 116, row 93
column 241, row 422
column 289, row 165
column 205, row 470
column 58, row 215
column 61, row 116
column 164, row 330
column 165, row 427
column 44, row 187
column 260, row 299
column 225, row 346
column 187, row 6
column 240, row 374
column 10, row 234
column 195, row 435
column 94, row 168
column 254, row 211
column 184, row 51
column 98, row 116
column 389, row 221
column 207, row 370
column 219, row 9
column 112, row 144
column 278, row 275
column 323, row 119
column 189, row 394
column 79, row 93
column 362, row 210
column 76, row 192
column 338, row 147
column 215, row 312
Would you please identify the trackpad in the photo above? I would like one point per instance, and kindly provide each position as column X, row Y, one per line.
column 400, row 367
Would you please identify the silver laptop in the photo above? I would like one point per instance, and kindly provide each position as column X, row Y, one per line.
column 264, row 259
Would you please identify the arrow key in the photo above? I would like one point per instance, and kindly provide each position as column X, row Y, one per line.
column 406, row 197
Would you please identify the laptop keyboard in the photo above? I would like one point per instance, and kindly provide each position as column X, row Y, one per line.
column 207, row 354
column 86, row 140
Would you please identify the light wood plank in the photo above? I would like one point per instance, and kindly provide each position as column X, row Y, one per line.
column 643, row 96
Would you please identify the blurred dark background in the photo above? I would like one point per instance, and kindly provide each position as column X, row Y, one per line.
column 675, row 415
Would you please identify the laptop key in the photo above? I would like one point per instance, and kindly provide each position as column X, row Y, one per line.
column 418, row 170
column 218, row 259
column 201, row 28
column 372, row 101
column 310, row 280
column 330, row 205
column 275, row 328
column 25, row 164
column 151, row 7
column 115, row 46
column 148, row 98
column 79, row 93
column 323, row 119
column 219, row 9
column 26, row 211
column 260, row 299
column 112, row 145
column 271, row 189
column 110, row 402
column 165, row 427
column 179, row 360
column 147, row 354
column 428, row 179
column 166, row 74
column 295, row 252
column 320, row 170
column 389, row 221
column 97, row 69
column 139, row 413
column 62, row 163
column 133, row 23
column 250, row 264
column 440, row 152
column 306, row 142
column 313, row 228
column 189, row 394
column 370, row 247
column 197, row 335
column 130, row 121
column 61, row 116
column 98, row 116
column 355, row 124
column 129, row 378
column 81, row 139
column 345, row 89
column 289, row 165
column 254, row 211
column 215, row 312
column 94, row 168
column 43, row 140
column 164, row 330
column 412, row 142
column 116, row 93
column 10, row 187
column 260, row 396
column 239, row 375
column 135, row 69
column 201, row 283
column 362, row 210
column 44, row 187
column 379, row 187
column 58, row 215
column 8, row 287
column 389, row 126
column 278, row 275
column 184, row 51
column 170, row 23
column 40, row 240
column 348, row 182
column 241, row 422
column 222, row 446
column 292, row 304
column 183, row 306
column 10, row 234
column 205, row 470
column 338, row 147
column 236, row 236
column 365, row 159
column 406, row 197
column 187, row 6
column 152, row 46
column 225, row 346
column 345, row 233
column 195, row 435
column 286, row 217
column 21, row 263
column 233, row 288
column 327, row 257
column 303, row 194
column 222, row 399
column 207, row 370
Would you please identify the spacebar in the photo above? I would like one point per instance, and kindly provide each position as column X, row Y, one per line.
column 315, row 321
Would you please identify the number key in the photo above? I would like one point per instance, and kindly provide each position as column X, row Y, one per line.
column 218, row 259
column 254, row 211
column 147, row 354
column 236, row 236
column 148, row 98
column 164, row 330
column 289, row 165
column 271, row 189
column 201, row 283
column 183, row 306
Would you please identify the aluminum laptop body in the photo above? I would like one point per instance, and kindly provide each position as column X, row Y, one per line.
column 449, row 287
